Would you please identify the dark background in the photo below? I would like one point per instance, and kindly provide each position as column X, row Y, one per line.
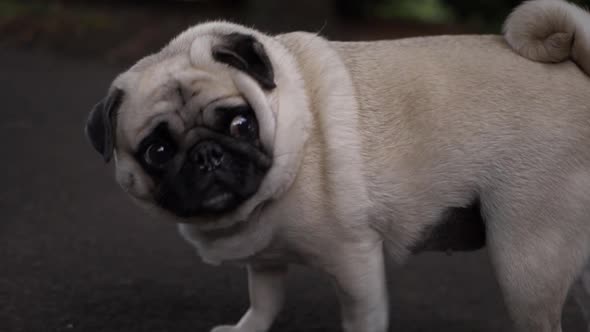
column 77, row 255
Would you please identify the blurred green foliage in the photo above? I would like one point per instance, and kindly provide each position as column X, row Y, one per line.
column 432, row 11
column 12, row 8
column 486, row 14
column 85, row 17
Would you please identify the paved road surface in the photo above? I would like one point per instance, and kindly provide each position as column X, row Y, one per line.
column 77, row 255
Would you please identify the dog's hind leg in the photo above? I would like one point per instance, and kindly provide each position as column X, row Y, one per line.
column 538, row 237
column 581, row 292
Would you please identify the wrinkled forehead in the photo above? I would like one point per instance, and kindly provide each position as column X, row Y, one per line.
column 175, row 90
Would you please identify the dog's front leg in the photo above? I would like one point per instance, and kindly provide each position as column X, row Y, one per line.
column 267, row 292
column 359, row 274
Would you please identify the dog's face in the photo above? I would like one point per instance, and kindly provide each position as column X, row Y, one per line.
column 192, row 128
column 210, row 170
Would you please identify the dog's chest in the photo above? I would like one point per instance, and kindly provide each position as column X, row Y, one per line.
column 245, row 247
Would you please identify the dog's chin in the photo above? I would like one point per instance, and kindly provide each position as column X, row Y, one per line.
column 220, row 225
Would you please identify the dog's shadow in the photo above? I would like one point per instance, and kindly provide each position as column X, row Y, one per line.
column 148, row 305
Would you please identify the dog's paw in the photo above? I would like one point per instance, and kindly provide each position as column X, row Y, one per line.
column 226, row 328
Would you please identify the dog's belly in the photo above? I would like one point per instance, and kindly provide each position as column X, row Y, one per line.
column 459, row 229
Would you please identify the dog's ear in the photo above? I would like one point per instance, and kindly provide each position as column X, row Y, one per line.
column 102, row 122
column 247, row 54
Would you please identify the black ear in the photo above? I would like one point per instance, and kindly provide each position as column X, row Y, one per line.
column 101, row 124
column 247, row 54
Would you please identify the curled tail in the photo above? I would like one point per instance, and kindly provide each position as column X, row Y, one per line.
column 550, row 31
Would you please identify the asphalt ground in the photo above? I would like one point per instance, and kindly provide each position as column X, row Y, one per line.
column 77, row 255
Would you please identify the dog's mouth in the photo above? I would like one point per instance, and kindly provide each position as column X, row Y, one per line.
column 208, row 207
column 218, row 202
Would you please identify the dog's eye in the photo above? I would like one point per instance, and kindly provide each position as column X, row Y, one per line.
column 159, row 153
column 242, row 127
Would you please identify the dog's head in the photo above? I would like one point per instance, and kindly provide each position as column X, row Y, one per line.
column 207, row 129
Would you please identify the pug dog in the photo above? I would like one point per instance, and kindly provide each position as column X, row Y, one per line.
column 291, row 149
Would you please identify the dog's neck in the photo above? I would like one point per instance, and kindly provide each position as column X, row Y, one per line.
column 251, row 228
column 335, row 108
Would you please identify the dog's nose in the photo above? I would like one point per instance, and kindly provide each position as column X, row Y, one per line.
column 207, row 155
